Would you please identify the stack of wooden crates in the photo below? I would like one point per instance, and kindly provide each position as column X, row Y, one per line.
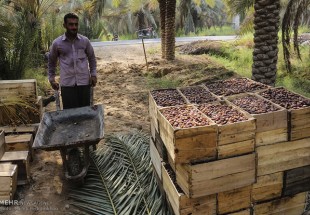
column 258, row 166
column 16, row 140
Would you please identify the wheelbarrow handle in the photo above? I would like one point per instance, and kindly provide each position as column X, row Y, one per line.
column 91, row 96
column 57, row 99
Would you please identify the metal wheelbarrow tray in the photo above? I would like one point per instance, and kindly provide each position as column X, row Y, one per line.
column 70, row 128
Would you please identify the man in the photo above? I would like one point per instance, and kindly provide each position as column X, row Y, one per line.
column 77, row 65
column 77, row 74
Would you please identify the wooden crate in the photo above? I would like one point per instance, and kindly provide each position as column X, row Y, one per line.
column 289, row 206
column 283, row 156
column 24, row 88
column 267, row 187
column 234, row 200
column 160, row 147
column 188, row 144
column 8, row 181
column 299, row 120
column 21, row 142
column 22, row 129
column 234, row 138
column 296, row 181
column 21, row 159
column 156, row 159
column 271, row 127
column 181, row 204
column 204, row 179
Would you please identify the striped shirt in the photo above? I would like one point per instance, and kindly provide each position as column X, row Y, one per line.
column 77, row 61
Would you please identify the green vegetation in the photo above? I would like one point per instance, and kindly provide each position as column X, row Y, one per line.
column 213, row 31
column 240, row 60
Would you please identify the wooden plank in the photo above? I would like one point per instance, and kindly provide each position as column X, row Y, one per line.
column 297, row 134
column 7, row 169
column 2, row 143
column 153, row 109
column 153, row 130
column 230, row 138
column 296, row 181
column 288, row 206
column 239, row 148
column 182, row 205
column 289, row 155
column 186, row 145
column 21, row 159
column 160, row 146
column 20, row 129
column 234, row 200
column 271, row 137
column 155, row 158
column 267, row 187
column 6, row 184
column 6, row 197
column 217, row 176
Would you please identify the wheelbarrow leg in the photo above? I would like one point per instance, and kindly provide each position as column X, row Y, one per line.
column 63, row 153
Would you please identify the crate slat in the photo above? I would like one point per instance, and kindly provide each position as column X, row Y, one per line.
column 156, row 159
column 267, row 187
column 296, row 181
column 283, row 156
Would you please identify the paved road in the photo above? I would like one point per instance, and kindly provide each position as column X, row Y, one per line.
column 178, row 39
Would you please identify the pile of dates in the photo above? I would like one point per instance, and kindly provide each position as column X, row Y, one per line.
column 285, row 98
column 185, row 117
column 222, row 114
column 254, row 105
column 198, row 95
column 235, row 86
column 166, row 98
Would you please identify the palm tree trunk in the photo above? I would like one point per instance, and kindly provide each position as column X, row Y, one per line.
column 170, row 29
column 265, row 54
column 162, row 9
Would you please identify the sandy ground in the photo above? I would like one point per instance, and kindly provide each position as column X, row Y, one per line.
column 123, row 84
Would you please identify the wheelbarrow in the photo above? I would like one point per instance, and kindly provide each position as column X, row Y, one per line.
column 69, row 129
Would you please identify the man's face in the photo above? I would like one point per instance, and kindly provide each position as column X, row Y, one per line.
column 72, row 26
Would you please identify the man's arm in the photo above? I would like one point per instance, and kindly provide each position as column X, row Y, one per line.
column 92, row 63
column 52, row 63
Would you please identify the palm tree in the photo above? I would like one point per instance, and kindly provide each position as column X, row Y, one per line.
column 292, row 19
column 162, row 10
column 170, row 29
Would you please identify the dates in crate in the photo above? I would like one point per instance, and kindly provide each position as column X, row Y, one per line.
column 169, row 97
column 235, row 86
column 222, row 114
column 285, row 98
column 197, row 95
column 254, row 105
column 185, row 117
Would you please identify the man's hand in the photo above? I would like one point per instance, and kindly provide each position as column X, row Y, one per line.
column 93, row 81
column 55, row 85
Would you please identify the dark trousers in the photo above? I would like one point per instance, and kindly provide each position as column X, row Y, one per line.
column 76, row 96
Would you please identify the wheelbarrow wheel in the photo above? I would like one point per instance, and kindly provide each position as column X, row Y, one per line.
column 74, row 162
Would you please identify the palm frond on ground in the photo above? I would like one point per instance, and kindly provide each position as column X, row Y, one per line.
column 120, row 179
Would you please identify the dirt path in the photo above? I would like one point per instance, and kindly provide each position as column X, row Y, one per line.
column 123, row 85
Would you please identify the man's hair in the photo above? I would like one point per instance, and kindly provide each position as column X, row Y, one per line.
column 70, row 15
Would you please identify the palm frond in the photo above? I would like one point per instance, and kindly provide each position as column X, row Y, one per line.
column 120, row 179
column 291, row 21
